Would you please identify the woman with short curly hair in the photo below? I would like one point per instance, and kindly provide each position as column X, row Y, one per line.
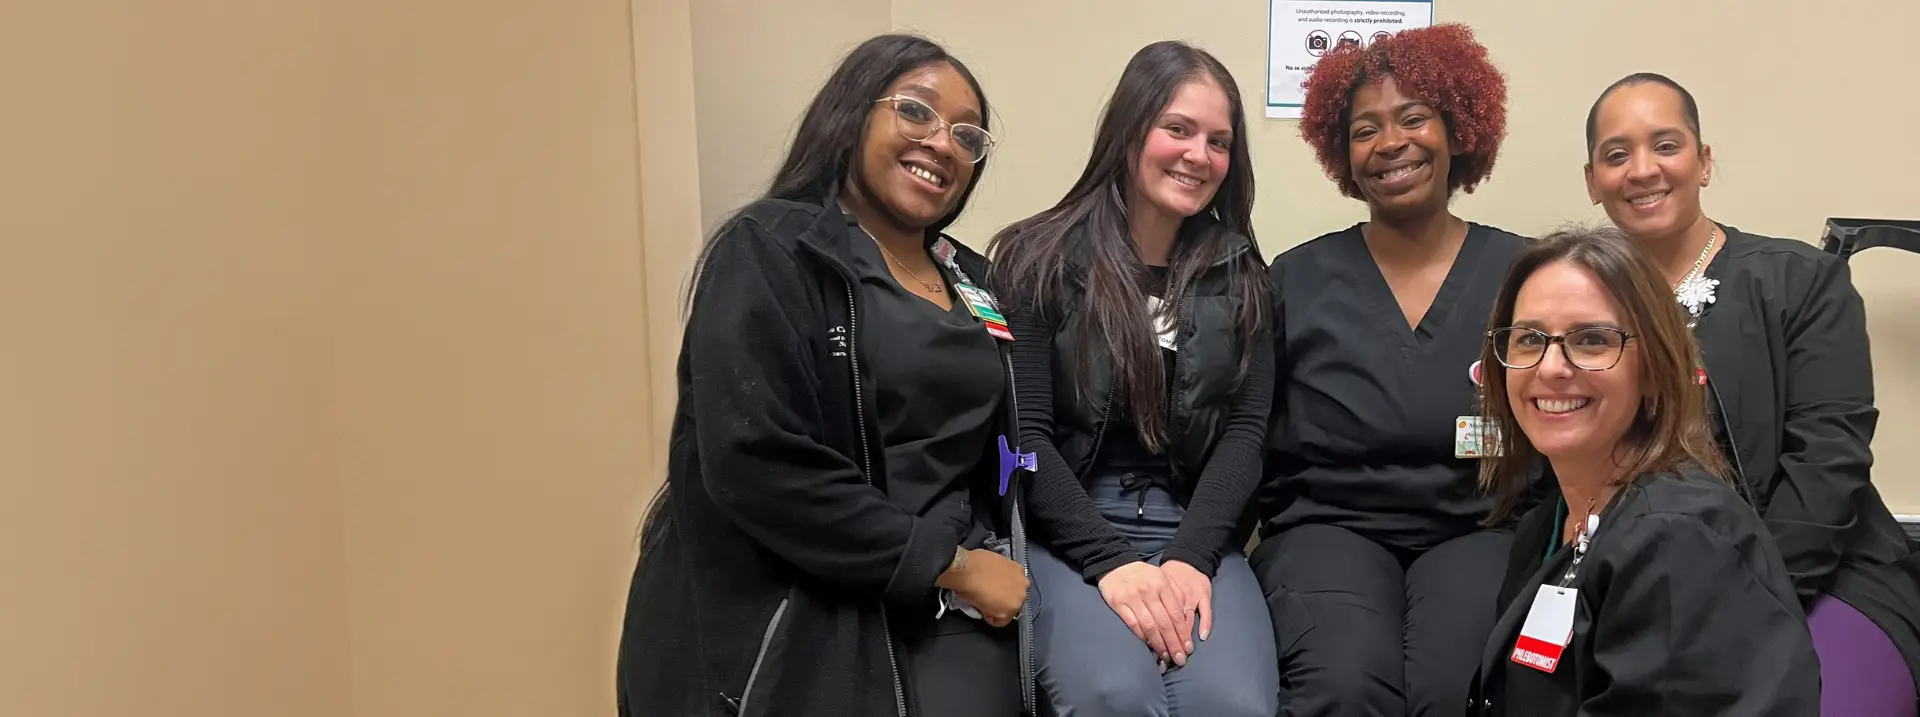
column 1380, row 577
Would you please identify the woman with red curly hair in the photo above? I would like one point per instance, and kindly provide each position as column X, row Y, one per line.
column 1378, row 572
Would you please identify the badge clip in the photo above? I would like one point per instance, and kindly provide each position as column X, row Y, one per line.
column 1012, row 459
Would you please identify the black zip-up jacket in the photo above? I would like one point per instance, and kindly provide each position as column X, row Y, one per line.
column 1217, row 428
column 768, row 572
column 1684, row 608
column 1788, row 365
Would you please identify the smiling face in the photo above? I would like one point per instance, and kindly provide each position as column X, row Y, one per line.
column 1648, row 165
column 1399, row 149
column 1186, row 153
column 915, row 184
column 1569, row 413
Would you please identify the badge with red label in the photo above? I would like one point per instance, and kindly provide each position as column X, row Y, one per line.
column 982, row 305
column 1548, row 629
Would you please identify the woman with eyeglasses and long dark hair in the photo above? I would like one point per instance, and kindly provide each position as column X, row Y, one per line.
column 1643, row 584
column 1378, row 571
column 1789, row 374
column 836, row 536
column 1144, row 370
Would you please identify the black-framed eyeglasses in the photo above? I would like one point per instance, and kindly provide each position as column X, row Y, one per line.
column 917, row 122
column 1595, row 348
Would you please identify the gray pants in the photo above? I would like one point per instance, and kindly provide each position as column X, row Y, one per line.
column 1091, row 665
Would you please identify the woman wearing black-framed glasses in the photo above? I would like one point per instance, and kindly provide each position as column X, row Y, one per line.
column 1643, row 584
column 1589, row 348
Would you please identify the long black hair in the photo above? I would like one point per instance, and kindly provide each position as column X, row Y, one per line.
column 825, row 153
column 1038, row 260
column 825, row 149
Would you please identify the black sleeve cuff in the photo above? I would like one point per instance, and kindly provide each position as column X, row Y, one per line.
column 1098, row 569
column 1205, row 561
column 929, row 551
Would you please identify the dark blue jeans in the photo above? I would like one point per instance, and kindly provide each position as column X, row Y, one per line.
column 1091, row 665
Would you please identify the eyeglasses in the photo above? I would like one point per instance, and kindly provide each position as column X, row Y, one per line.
column 918, row 123
column 1595, row 348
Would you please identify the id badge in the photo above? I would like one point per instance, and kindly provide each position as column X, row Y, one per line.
column 1548, row 629
column 983, row 307
column 1475, row 437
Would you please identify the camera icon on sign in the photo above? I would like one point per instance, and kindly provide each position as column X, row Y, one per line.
column 1318, row 42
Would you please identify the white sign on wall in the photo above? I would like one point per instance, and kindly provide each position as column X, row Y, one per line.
column 1300, row 31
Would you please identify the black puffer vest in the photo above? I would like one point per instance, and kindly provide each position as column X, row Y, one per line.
column 1201, row 388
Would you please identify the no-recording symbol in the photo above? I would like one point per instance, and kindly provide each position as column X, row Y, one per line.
column 1349, row 38
column 1318, row 42
column 1378, row 36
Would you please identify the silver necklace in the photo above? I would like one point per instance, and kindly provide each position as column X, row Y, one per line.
column 1695, row 290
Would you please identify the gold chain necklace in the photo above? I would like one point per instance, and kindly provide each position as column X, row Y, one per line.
column 1712, row 236
column 932, row 287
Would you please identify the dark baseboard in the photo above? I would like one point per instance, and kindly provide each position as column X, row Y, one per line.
column 1912, row 524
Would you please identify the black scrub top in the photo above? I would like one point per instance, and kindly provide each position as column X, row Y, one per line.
column 938, row 383
column 1363, row 432
column 1684, row 608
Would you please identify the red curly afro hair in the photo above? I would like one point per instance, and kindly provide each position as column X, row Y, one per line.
column 1441, row 64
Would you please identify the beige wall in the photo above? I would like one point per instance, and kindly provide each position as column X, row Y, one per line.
column 1791, row 153
column 170, row 526
column 327, row 390
column 492, row 356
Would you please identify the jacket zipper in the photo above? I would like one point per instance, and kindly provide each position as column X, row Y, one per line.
column 766, row 640
column 1100, row 433
column 1020, row 547
column 866, row 464
column 1173, row 383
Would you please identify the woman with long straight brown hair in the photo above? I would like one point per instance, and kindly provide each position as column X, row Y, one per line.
column 1642, row 584
column 1143, row 370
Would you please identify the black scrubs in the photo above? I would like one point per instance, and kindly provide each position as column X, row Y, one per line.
column 1682, row 607
column 1380, row 579
column 938, row 383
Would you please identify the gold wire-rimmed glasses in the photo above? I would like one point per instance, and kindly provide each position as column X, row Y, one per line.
column 1594, row 348
column 918, row 122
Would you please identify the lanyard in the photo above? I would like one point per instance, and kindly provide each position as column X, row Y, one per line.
column 1581, row 539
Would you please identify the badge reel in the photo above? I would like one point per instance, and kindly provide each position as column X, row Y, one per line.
column 1549, row 626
